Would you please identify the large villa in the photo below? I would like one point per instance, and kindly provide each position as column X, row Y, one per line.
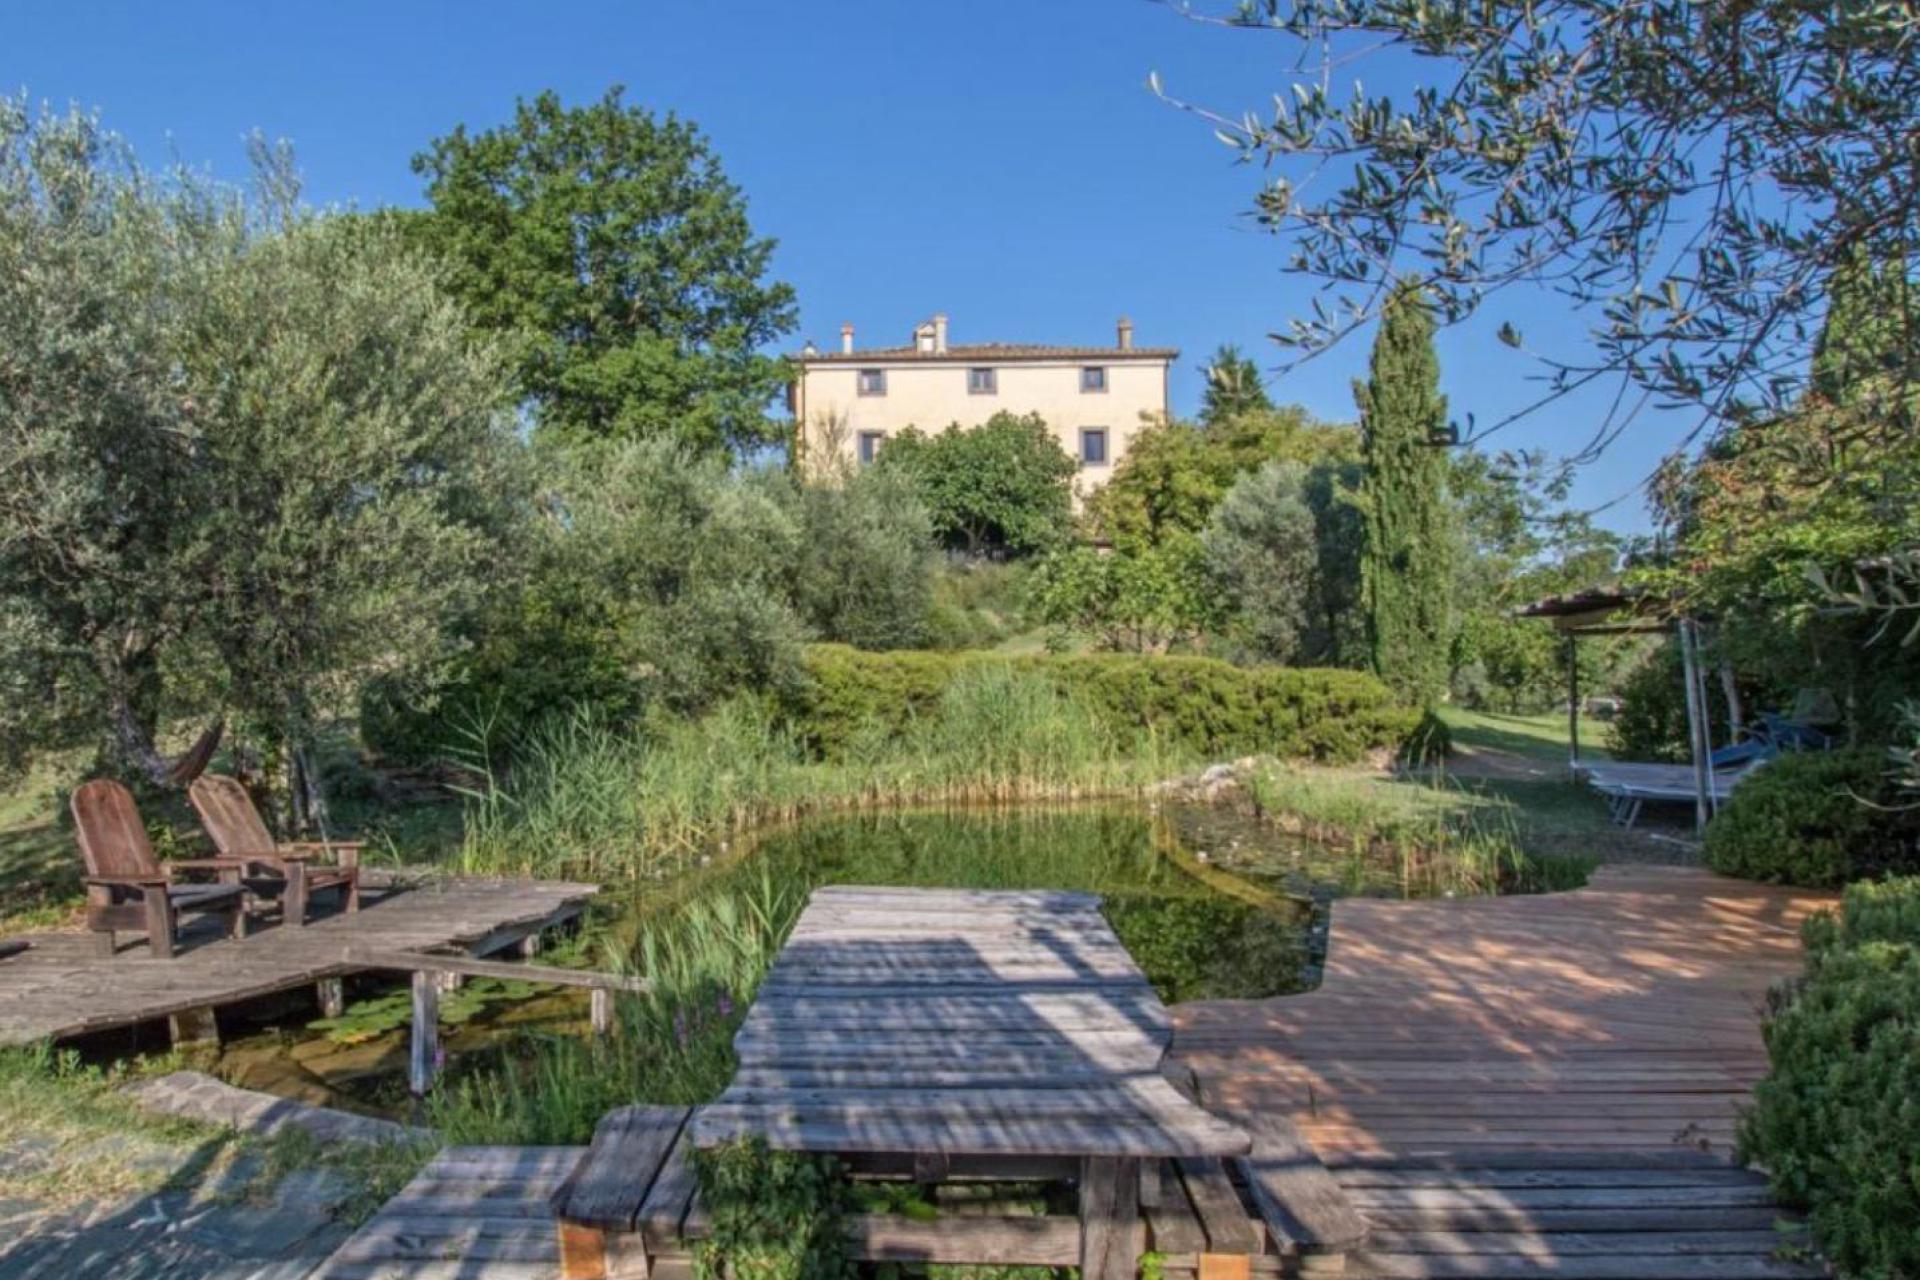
column 1093, row 397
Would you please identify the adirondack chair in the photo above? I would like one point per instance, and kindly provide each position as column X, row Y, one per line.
column 128, row 888
column 227, row 812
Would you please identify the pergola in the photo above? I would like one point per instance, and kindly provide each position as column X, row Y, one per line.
column 1615, row 611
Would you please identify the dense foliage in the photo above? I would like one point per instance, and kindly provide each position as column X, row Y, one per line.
column 1281, row 552
column 1834, row 1122
column 1774, row 515
column 664, row 579
column 608, row 248
column 249, row 456
column 1407, row 556
column 1816, row 818
column 1234, row 388
column 1175, row 473
column 1138, row 600
column 1199, row 705
column 1557, row 145
column 1518, row 543
column 1005, row 486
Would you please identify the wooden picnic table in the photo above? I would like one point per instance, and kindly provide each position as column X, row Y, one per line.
column 942, row 1023
column 968, row 1035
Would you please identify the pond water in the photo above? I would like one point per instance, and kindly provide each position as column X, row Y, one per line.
column 1210, row 902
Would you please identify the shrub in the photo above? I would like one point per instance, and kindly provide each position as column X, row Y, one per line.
column 1195, row 705
column 668, row 582
column 1815, row 818
column 1835, row 1122
column 976, row 604
column 1005, row 485
column 862, row 571
column 1652, row 720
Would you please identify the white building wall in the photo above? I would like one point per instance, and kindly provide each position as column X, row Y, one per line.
column 932, row 396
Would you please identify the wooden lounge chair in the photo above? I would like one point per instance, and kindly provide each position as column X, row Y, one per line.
column 128, row 888
column 227, row 812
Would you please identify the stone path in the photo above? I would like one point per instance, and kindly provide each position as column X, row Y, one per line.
column 201, row 1230
column 206, row 1222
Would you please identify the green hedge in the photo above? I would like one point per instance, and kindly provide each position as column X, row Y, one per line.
column 1818, row 818
column 1837, row 1121
column 1200, row 705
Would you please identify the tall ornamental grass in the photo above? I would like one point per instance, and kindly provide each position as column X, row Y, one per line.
column 670, row 1045
column 587, row 800
column 1440, row 838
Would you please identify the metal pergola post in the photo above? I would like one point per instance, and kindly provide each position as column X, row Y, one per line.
column 1697, row 739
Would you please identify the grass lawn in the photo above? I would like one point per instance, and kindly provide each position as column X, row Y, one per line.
column 39, row 865
column 1532, row 737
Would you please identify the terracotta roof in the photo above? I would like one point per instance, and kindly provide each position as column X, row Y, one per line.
column 991, row 352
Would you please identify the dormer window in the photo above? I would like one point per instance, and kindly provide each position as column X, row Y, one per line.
column 982, row 382
column 873, row 382
column 1093, row 378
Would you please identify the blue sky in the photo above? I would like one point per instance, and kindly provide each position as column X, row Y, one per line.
column 999, row 160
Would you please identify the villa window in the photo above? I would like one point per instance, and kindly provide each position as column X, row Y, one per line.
column 1093, row 446
column 1093, row 378
column 982, row 382
column 869, row 446
column 873, row 382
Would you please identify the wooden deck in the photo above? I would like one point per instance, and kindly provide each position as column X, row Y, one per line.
column 1506, row 1088
column 60, row 986
column 1530, row 1086
column 474, row 1213
column 938, row 1022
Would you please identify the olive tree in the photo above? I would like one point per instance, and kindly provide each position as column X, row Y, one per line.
column 1695, row 174
column 250, row 455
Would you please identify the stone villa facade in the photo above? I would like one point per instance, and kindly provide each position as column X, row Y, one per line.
column 1093, row 398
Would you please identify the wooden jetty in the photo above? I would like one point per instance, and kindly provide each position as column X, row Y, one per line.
column 1495, row 1088
column 1540, row 1085
column 953, row 1035
column 58, row 985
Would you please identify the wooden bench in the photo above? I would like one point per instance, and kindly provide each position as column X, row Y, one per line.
column 604, row 1210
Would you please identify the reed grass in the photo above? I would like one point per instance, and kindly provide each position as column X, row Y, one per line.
column 590, row 801
column 1436, row 835
column 671, row 1045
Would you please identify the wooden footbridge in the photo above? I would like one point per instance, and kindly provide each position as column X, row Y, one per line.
column 57, row 985
column 1490, row 1088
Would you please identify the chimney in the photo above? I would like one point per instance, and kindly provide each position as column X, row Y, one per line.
column 846, row 339
column 940, row 333
column 1126, row 334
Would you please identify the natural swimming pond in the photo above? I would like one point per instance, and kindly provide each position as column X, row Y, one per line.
column 1212, row 903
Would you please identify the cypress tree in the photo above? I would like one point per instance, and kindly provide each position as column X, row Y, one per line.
column 1234, row 388
column 1406, row 563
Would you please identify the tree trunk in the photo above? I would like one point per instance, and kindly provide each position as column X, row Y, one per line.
column 1736, row 715
column 130, row 671
column 309, row 793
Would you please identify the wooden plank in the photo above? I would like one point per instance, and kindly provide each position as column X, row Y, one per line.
column 1172, row 1223
column 667, row 1201
column 1224, row 1266
column 1222, row 1217
column 467, row 967
column 423, row 1056
column 976, row 1130
column 1041, row 1241
column 629, row 1147
column 1657, row 1266
column 1109, row 1211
